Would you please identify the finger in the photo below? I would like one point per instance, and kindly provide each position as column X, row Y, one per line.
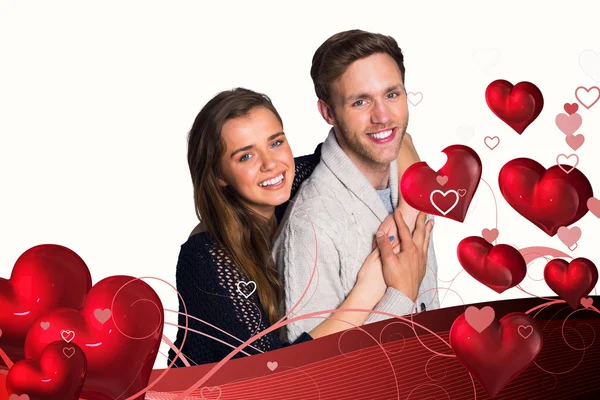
column 396, row 249
column 428, row 229
column 405, row 236
column 419, row 233
column 385, row 247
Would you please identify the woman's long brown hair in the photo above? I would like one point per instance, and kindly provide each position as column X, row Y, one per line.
column 243, row 234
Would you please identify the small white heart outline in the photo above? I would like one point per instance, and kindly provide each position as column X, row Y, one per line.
column 246, row 283
column 444, row 194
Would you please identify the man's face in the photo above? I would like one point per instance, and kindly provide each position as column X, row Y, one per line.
column 369, row 110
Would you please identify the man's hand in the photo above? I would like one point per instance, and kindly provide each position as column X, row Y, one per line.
column 405, row 271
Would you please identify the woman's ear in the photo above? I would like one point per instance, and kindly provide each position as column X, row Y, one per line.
column 222, row 183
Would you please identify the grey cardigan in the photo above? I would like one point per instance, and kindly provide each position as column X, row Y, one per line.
column 331, row 222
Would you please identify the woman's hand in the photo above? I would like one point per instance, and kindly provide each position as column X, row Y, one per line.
column 405, row 270
column 370, row 285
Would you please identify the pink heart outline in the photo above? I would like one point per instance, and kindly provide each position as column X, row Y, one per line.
column 65, row 334
column 210, row 390
column 526, row 328
column 485, row 141
column 567, row 157
column 587, row 91
column 70, row 350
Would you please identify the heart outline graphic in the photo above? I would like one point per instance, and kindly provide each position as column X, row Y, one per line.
column 568, row 158
column 66, row 333
column 525, row 327
column 451, row 191
column 494, row 139
column 245, row 285
column 587, row 91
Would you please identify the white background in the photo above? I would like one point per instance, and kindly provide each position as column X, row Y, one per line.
column 96, row 99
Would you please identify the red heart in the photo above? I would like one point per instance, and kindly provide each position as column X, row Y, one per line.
column 571, row 281
column 44, row 277
column 121, row 351
column 518, row 105
column 419, row 184
column 498, row 267
column 548, row 198
column 500, row 352
column 56, row 376
column 571, row 108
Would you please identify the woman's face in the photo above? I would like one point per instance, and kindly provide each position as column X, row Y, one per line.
column 258, row 162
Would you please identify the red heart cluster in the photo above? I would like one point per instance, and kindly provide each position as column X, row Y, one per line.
column 44, row 277
column 498, row 267
column 548, row 198
column 116, row 327
column 500, row 352
column 573, row 280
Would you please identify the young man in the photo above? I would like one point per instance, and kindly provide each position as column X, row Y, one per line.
column 333, row 219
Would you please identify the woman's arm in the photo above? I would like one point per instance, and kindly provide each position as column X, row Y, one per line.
column 207, row 281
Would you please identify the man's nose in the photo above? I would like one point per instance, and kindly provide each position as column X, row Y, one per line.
column 381, row 114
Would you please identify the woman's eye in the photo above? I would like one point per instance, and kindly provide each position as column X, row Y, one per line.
column 245, row 157
column 277, row 143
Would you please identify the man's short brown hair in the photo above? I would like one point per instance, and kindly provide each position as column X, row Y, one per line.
column 336, row 54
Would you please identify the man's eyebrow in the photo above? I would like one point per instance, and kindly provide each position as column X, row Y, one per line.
column 392, row 88
column 274, row 136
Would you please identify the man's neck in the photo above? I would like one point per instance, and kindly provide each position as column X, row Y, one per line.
column 378, row 175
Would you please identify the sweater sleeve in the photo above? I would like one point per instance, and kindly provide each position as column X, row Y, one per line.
column 208, row 282
column 299, row 250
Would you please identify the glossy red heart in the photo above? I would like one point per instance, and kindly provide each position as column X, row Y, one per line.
column 518, row 106
column 422, row 190
column 498, row 267
column 571, row 281
column 121, row 350
column 44, row 277
column 548, row 198
column 58, row 374
column 500, row 352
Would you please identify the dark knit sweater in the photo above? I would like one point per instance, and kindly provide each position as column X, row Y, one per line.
column 208, row 282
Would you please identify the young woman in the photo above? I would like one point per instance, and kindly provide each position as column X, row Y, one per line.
column 244, row 173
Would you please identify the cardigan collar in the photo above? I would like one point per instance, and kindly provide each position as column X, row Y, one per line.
column 350, row 176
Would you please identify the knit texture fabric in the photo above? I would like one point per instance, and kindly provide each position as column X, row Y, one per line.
column 218, row 292
column 326, row 235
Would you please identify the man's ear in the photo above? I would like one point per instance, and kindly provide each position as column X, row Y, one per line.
column 326, row 112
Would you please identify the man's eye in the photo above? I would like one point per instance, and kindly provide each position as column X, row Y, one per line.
column 358, row 103
column 245, row 157
column 277, row 143
column 393, row 95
